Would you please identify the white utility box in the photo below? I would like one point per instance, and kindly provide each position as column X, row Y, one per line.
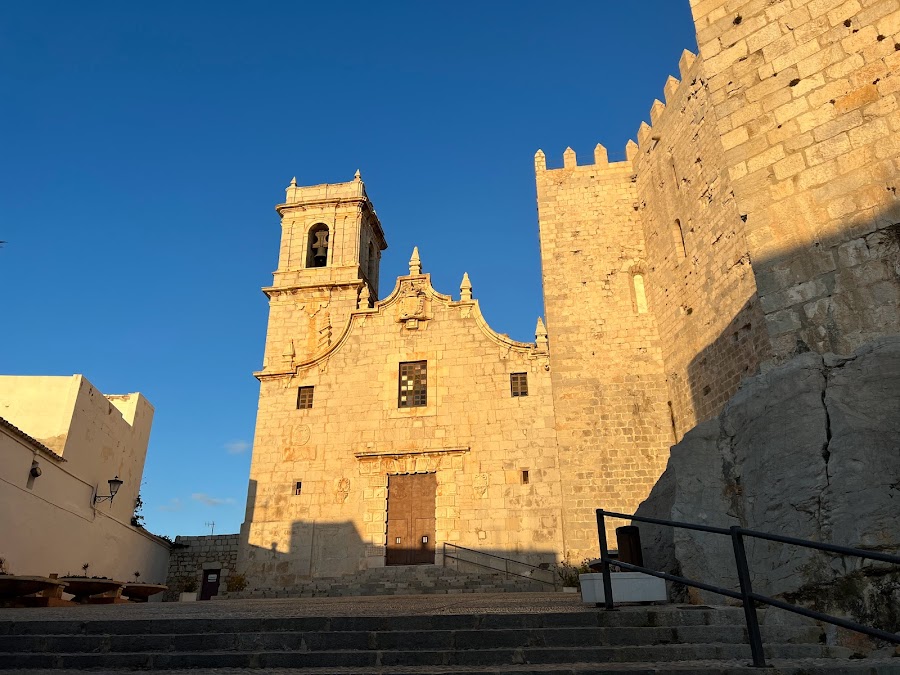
column 626, row 587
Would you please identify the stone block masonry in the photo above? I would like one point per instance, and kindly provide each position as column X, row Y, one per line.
column 805, row 95
column 701, row 286
column 609, row 389
column 190, row 556
column 320, row 477
column 764, row 192
column 755, row 218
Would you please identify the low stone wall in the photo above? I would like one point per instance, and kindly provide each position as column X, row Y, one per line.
column 810, row 449
column 190, row 556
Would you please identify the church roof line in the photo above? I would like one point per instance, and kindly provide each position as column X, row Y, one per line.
column 409, row 286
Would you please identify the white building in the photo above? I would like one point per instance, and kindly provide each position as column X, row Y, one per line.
column 61, row 441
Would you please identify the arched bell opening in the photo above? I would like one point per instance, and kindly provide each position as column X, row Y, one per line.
column 317, row 246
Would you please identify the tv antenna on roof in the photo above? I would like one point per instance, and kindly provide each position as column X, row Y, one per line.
column 211, row 526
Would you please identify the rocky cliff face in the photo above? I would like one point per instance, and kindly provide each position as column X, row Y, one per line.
column 810, row 449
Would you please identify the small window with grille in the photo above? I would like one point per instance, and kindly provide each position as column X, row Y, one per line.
column 304, row 397
column 518, row 384
column 298, row 488
column 413, row 384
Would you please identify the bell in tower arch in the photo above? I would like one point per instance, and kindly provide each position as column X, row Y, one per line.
column 318, row 246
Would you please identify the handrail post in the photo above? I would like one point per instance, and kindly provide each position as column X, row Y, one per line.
column 604, row 561
column 743, row 572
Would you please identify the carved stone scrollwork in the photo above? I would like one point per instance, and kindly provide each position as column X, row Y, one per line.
column 325, row 332
column 426, row 461
column 342, row 491
column 413, row 306
column 480, row 485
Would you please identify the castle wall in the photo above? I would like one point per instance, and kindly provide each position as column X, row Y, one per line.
column 472, row 434
column 701, row 287
column 609, row 388
column 806, row 98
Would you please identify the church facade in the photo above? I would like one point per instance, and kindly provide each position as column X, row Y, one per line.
column 389, row 427
column 756, row 217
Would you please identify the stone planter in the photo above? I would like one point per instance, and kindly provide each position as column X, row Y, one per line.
column 93, row 590
column 626, row 587
column 138, row 592
column 16, row 586
column 187, row 597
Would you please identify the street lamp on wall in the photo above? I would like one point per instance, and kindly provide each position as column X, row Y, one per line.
column 114, row 485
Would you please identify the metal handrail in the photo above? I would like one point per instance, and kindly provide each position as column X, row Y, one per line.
column 746, row 594
column 506, row 561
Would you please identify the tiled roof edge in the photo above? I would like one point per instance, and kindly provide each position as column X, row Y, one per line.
column 16, row 431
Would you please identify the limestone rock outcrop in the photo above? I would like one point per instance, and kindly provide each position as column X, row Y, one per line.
column 810, row 449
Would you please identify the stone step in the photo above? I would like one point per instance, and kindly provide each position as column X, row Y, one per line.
column 392, row 640
column 778, row 667
column 520, row 636
column 399, row 580
column 635, row 617
column 410, row 658
column 299, row 592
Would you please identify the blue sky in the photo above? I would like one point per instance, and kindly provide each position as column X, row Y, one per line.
column 145, row 145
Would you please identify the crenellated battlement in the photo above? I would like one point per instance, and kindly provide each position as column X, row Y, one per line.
column 570, row 161
column 646, row 139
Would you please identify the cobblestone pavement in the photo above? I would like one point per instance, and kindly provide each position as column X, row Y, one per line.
column 393, row 605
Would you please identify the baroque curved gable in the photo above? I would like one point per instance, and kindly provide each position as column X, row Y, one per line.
column 412, row 303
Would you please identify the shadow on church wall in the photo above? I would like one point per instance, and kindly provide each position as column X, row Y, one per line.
column 298, row 551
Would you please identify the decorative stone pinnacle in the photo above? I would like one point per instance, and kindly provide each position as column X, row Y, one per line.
column 356, row 176
column 540, row 161
column 465, row 288
column 540, row 335
column 569, row 159
column 415, row 264
column 365, row 297
column 294, row 181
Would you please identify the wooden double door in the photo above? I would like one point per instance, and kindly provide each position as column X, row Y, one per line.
column 410, row 519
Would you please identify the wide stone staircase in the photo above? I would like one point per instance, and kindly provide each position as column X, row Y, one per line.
column 660, row 640
column 401, row 580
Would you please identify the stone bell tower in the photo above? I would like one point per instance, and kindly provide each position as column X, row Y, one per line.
column 331, row 244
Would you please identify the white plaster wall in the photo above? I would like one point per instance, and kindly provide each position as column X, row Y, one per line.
column 99, row 436
column 42, row 407
column 52, row 526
